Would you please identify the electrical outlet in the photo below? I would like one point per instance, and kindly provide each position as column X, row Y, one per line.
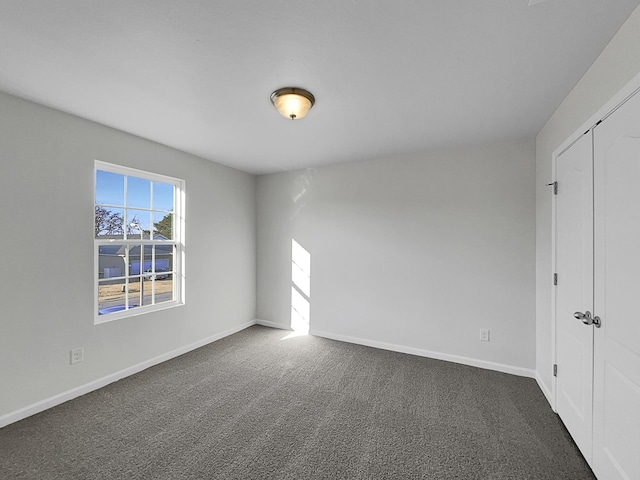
column 484, row 334
column 76, row 355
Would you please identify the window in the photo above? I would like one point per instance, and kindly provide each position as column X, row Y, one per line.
column 138, row 242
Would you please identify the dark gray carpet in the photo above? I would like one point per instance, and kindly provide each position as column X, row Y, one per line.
column 254, row 406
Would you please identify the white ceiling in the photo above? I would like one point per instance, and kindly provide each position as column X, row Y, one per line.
column 389, row 76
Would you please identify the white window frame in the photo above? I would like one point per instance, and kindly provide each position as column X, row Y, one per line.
column 177, row 242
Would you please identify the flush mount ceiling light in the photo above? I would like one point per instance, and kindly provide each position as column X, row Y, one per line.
column 291, row 102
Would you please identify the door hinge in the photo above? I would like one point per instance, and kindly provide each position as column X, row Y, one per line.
column 555, row 187
column 555, row 279
column 555, row 369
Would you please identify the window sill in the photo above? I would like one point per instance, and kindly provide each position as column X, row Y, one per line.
column 134, row 312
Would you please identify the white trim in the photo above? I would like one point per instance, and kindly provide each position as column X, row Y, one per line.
column 114, row 377
column 270, row 324
column 101, row 319
column 554, row 354
column 607, row 109
column 615, row 102
column 473, row 362
column 177, row 242
column 132, row 172
column 545, row 391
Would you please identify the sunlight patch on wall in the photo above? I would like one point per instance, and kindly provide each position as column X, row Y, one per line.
column 300, row 288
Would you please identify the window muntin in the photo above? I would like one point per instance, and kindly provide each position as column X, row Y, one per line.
column 138, row 244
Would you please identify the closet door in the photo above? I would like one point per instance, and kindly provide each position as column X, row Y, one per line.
column 574, row 292
column 616, row 411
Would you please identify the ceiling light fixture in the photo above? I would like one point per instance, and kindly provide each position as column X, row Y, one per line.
column 291, row 102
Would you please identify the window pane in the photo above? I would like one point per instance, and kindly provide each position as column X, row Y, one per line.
column 109, row 188
column 134, row 260
column 138, row 192
column 164, row 288
column 162, row 196
column 148, row 261
column 108, row 222
column 138, row 214
column 162, row 226
column 164, row 261
column 111, row 296
column 147, row 294
column 138, row 224
column 140, row 291
column 136, row 290
column 111, row 261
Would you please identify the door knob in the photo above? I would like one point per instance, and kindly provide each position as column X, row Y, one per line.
column 582, row 316
column 587, row 319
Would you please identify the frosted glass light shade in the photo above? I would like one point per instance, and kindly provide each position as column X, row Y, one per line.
column 293, row 103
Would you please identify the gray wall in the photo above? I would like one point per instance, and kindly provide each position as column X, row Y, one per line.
column 417, row 252
column 46, row 286
column 614, row 68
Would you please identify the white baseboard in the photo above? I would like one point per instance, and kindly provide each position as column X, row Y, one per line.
column 545, row 391
column 473, row 362
column 114, row 377
column 269, row 323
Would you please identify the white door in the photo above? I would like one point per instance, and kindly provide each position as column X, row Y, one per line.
column 616, row 453
column 574, row 292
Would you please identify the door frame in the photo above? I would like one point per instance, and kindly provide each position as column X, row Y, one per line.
column 625, row 93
